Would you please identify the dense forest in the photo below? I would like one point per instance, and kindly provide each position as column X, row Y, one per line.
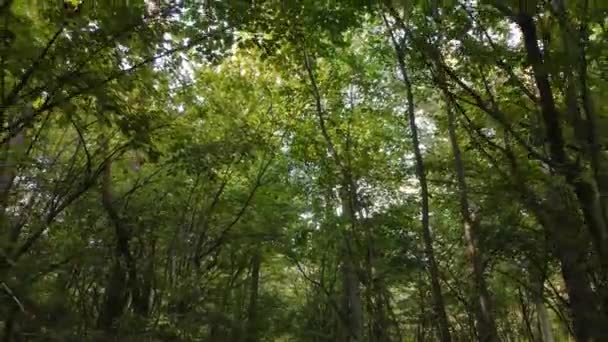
column 304, row 170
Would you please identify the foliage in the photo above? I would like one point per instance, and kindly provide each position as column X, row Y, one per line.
column 249, row 171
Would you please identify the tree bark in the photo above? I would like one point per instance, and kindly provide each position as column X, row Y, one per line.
column 438, row 302
column 569, row 245
column 116, row 297
column 353, row 306
column 252, row 310
column 543, row 320
column 586, row 192
column 525, row 313
column 575, row 41
column 486, row 326
column 595, row 187
column 11, row 154
column 123, row 281
column 352, row 303
column 570, row 249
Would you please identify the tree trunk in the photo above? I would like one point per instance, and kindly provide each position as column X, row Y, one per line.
column 576, row 90
column 352, row 303
column 570, row 249
column 569, row 244
column 537, row 296
column 9, row 161
column 543, row 320
column 252, row 310
column 588, row 325
column 486, row 326
column 123, row 281
column 381, row 312
column 586, row 191
column 441, row 317
column 525, row 313
column 116, row 297
column 575, row 41
column 10, row 321
column 353, row 306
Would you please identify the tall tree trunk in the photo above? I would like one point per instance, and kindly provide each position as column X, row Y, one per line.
column 569, row 245
column 422, row 318
column 352, row 303
column 537, row 294
column 252, row 309
column 352, row 300
column 586, row 191
column 525, row 313
column 570, row 249
column 116, row 297
column 543, row 321
column 9, row 160
column 589, row 326
column 10, row 321
column 577, row 92
column 486, row 326
column 353, row 306
column 575, row 42
column 382, row 328
column 116, row 292
column 123, row 280
column 441, row 317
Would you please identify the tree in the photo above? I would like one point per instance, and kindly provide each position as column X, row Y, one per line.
column 303, row 171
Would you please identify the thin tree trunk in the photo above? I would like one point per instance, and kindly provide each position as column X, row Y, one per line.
column 441, row 317
column 352, row 301
column 9, row 160
column 116, row 292
column 482, row 303
column 537, row 277
column 525, row 313
column 353, row 307
column 481, row 298
column 439, row 306
column 252, row 310
column 123, row 282
column 116, row 297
